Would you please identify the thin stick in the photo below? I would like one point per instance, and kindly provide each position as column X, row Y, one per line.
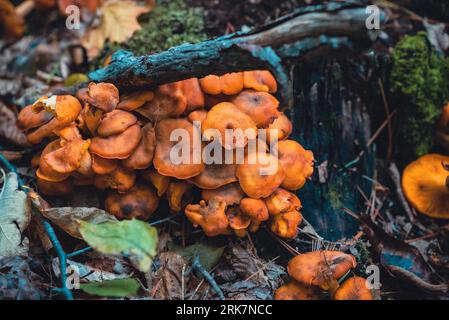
column 196, row 264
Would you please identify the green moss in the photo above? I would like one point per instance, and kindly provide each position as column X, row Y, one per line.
column 419, row 83
column 169, row 24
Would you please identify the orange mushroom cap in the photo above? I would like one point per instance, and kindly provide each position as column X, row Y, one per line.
column 254, row 208
column 285, row 225
column 120, row 179
column 320, row 268
column 103, row 166
column 68, row 134
column 175, row 192
column 228, row 84
column 104, row 96
column 226, row 116
column 238, row 222
column 296, row 291
column 168, row 102
column 134, row 100
column 85, row 168
column 28, row 119
column 91, row 117
column 139, row 202
column 260, row 174
column 45, row 171
column 159, row 181
column 282, row 201
column 297, row 163
column 354, row 288
column 261, row 107
column 142, row 157
column 209, row 216
column 426, row 187
column 50, row 188
column 162, row 156
column 119, row 146
column 260, row 80
column 283, row 126
column 215, row 176
column 197, row 115
column 194, row 96
column 115, row 122
column 230, row 193
column 67, row 158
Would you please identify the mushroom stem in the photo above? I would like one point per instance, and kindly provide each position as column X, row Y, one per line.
column 25, row 8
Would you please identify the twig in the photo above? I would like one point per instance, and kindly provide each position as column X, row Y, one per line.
column 77, row 252
column 196, row 264
column 387, row 112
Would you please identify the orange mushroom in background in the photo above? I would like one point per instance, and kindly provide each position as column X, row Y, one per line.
column 104, row 96
column 168, row 102
column 115, row 122
column 354, row 288
column 296, row 291
column 297, row 163
column 139, row 202
column 135, row 100
column 142, row 156
column 426, row 185
column 231, row 194
column 226, row 116
column 194, row 96
column 261, row 107
column 285, row 224
column 159, row 181
column 175, row 193
column 228, row 84
column 210, row 216
column 260, row 80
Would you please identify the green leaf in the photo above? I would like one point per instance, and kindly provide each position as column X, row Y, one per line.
column 132, row 238
column 112, row 288
column 208, row 255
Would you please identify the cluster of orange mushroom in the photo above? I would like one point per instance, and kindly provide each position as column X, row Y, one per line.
column 314, row 273
column 122, row 143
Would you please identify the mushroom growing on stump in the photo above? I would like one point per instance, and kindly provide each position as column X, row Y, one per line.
column 261, row 107
column 142, row 156
column 426, row 185
column 115, row 122
column 354, row 288
column 211, row 216
column 285, row 224
column 103, row 166
column 321, row 268
column 104, row 96
column 194, row 96
column 260, row 80
column 283, row 126
column 139, row 202
column 228, row 84
column 134, row 100
column 296, row 291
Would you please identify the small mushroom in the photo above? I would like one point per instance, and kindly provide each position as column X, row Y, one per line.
column 115, row 122
column 260, row 80
column 120, row 179
column 238, row 222
column 85, row 168
column 67, row 158
column 159, row 181
column 226, row 116
column 104, row 96
column 27, row 119
column 211, row 216
column 296, row 162
column 134, row 100
column 260, row 174
column 215, row 176
column 426, row 185
column 230, row 193
column 282, row 201
column 168, row 102
column 296, row 291
column 194, row 96
column 283, row 126
column 228, row 84
column 256, row 210
column 163, row 161
column 119, row 146
column 103, row 166
column 354, row 288
column 45, row 171
column 142, row 157
column 52, row 188
column 320, row 268
column 261, row 107
column 285, row 225
column 68, row 134
column 175, row 192
column 139, row 202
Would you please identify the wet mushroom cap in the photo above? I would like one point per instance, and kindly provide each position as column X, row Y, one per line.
column 163, row 161
column 285, row 225
column 45, row 171
column 296, row 291
column 215, row 176
column 139, row 202
column 238, row 222
column 226, row 116
column 231, row 194
column 260, row 174
column 142, row 156
column 425, row 185
column 260, row 80
column 104, row 96
column 134, row 100
column 283, row 126
column 297, row 163
column 261, row 107
column 320, row 268
column 194, row 96
column 118, row 146
column 103, row 166
column 354, row 288
column 115, row 122
column 67, row 158
column 282, row 201
column 209, row 216
column 228, row 84
column 28, row 119
column 254, row 208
